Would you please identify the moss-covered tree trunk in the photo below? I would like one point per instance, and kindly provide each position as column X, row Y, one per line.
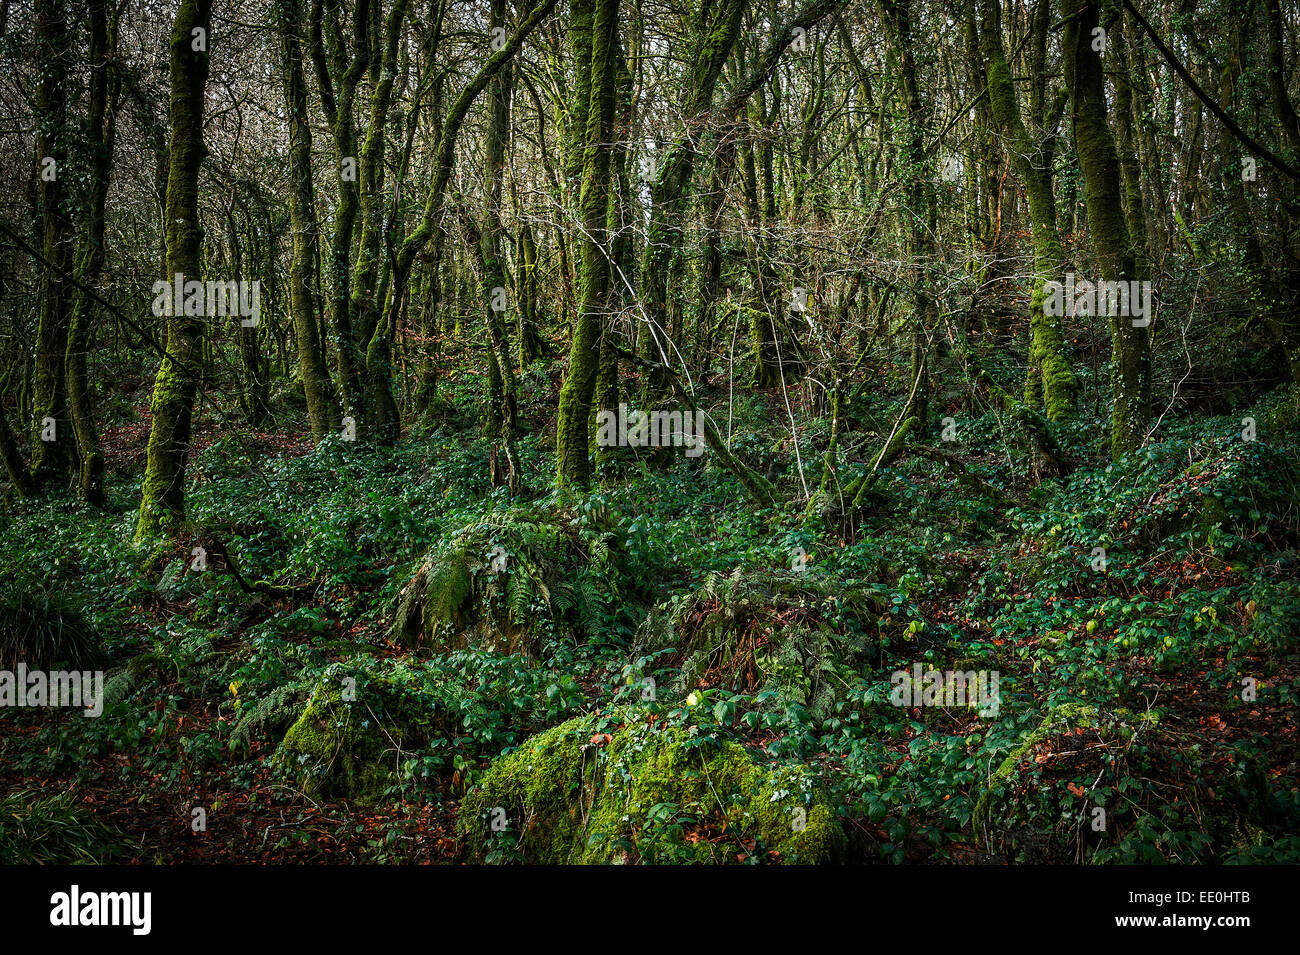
column 374, row 326
column 425, row 400
column 1125, row 140
column 715, row 35
column 529, row 304
column 620, row 225
column 766, row 318
column 105, row 82
column 53, row 445
column 338, row 73
column 255, row 390
column 501, row 410
column 316, row 385
column 1107, row 222
column 917, row 170
column 710, row 278
column 1051, row 384
column 597, row 21
column 175, row 387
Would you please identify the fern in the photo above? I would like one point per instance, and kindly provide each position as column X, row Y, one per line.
column 118, row 687
column 448, row 585
column 269, row 710
column 556, row 567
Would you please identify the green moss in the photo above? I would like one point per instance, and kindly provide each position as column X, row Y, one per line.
column 558, row 576
column 646, row 793
column 1071, row 715
column 354, row 732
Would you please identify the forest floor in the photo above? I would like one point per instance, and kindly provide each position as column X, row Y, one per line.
column 1158, row 685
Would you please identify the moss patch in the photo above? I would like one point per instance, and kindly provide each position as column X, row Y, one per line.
column 591, row 792
column 355, row 731
column 507, row 581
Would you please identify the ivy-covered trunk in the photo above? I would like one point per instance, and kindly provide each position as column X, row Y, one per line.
column 302, row 221
column 337, row 75
column 529, row 296
column 105, row 83
column 597, row 21
column 1107, row 223
column 375, row 326
column 765, row 318
column 175, row 387
column 500, row 416
column 53, row 448
column 1050, row 384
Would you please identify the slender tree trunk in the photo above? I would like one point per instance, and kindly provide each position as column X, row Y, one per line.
column 176, row 385
column 337, row 77
column 316, row 384
column 1051, row 384
column 430, row 226
column 100, row 128
column 501, row 410
column 375, row 326
column 767, row 319
column 715, row 38
column 1107, row 223
column 599, row 21
column 528, row 284
column 53, row 446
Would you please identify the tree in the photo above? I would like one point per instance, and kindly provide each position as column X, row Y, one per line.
column 1051, row 383
column 177, row 381
column 1107, row 223
column 53, row 448
column 594, row 28
column 321, row 412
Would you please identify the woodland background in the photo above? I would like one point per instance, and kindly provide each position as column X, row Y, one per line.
column 363, row 583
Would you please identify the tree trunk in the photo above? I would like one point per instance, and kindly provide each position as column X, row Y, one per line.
column 316, row 384
column 105, row 83
column 1107, row 223
column 1051, row 385
column 337, row 78
column 175, row 387
column 599, row 21
column 53, row 447
column 917, row 191
column 501, row 398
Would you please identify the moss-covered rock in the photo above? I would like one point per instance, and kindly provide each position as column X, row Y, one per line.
column 510, row 579
column 1232, row 498
column 788, row 633
column 593, row 791
column 355, row 730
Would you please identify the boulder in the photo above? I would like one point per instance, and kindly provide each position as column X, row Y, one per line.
column 630, row 789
